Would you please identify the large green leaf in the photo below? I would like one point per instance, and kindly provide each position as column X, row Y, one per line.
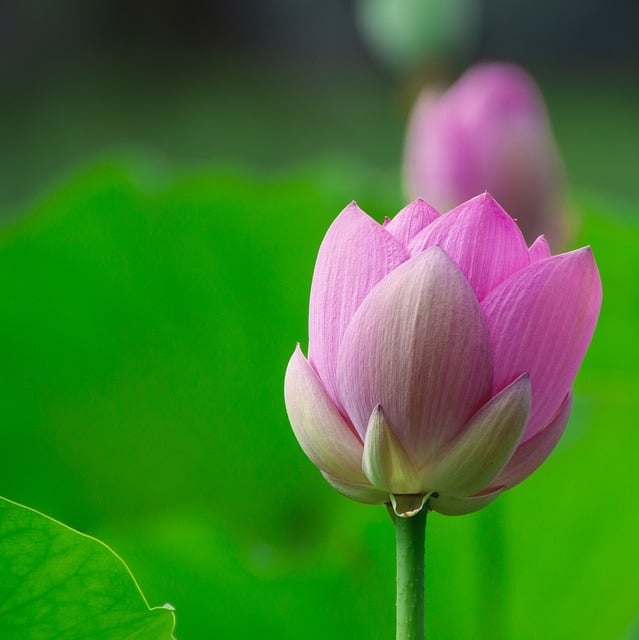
column 58, row 583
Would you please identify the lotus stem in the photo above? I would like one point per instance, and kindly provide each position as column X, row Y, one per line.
column 410, row 534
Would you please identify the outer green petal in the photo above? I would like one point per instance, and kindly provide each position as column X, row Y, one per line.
column 386, row 463
column 531, row 453
column 319, row 427
column 486, row 444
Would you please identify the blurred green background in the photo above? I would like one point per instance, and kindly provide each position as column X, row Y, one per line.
column 167, row 173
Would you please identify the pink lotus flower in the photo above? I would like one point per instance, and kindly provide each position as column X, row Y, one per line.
column 489, row 131
column 442, row 352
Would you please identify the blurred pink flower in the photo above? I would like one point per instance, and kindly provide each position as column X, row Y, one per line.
column 489, row 131
column 442, row 352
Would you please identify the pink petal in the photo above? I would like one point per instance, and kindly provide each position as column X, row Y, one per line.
column 541, row 321
column 458, row 506
column 318, row 426
column 481, row 238
column 419, row 348
column 539, row 249
column 411, row 220
column 355, row 254
column 535, row 450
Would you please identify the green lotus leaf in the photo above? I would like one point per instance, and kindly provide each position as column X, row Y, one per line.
column 58, row 583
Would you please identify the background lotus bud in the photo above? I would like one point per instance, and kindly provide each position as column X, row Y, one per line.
column 489, row 131
column 405, row 34
column 442, row 352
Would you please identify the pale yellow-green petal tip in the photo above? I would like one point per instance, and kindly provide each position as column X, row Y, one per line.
column 385, row 462
column 407, row 505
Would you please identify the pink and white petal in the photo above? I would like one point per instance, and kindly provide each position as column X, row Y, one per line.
column 354, row 256
column 531, row 453
column 485, row 446
column 541, row 321
column 321, row 431
column 418, row 347
column 481, row 238
column 459, row 506
column 385, row 462
column 539, row 249
column 411, row 220
column 360, row 492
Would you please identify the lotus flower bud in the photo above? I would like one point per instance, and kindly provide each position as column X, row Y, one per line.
column 442, row 352
column 489, row 131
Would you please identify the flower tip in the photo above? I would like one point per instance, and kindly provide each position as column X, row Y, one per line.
column 539, row 249
column 479, row 204
column 584, row 254
column 427, row 209
column 487, row 198
column 437, row 252
column 353, row 212
column 351, row 207
column 524, row 384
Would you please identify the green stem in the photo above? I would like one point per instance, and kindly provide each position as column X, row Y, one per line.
column 410, row 534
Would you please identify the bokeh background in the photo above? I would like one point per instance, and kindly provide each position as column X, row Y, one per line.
column 167, row 172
